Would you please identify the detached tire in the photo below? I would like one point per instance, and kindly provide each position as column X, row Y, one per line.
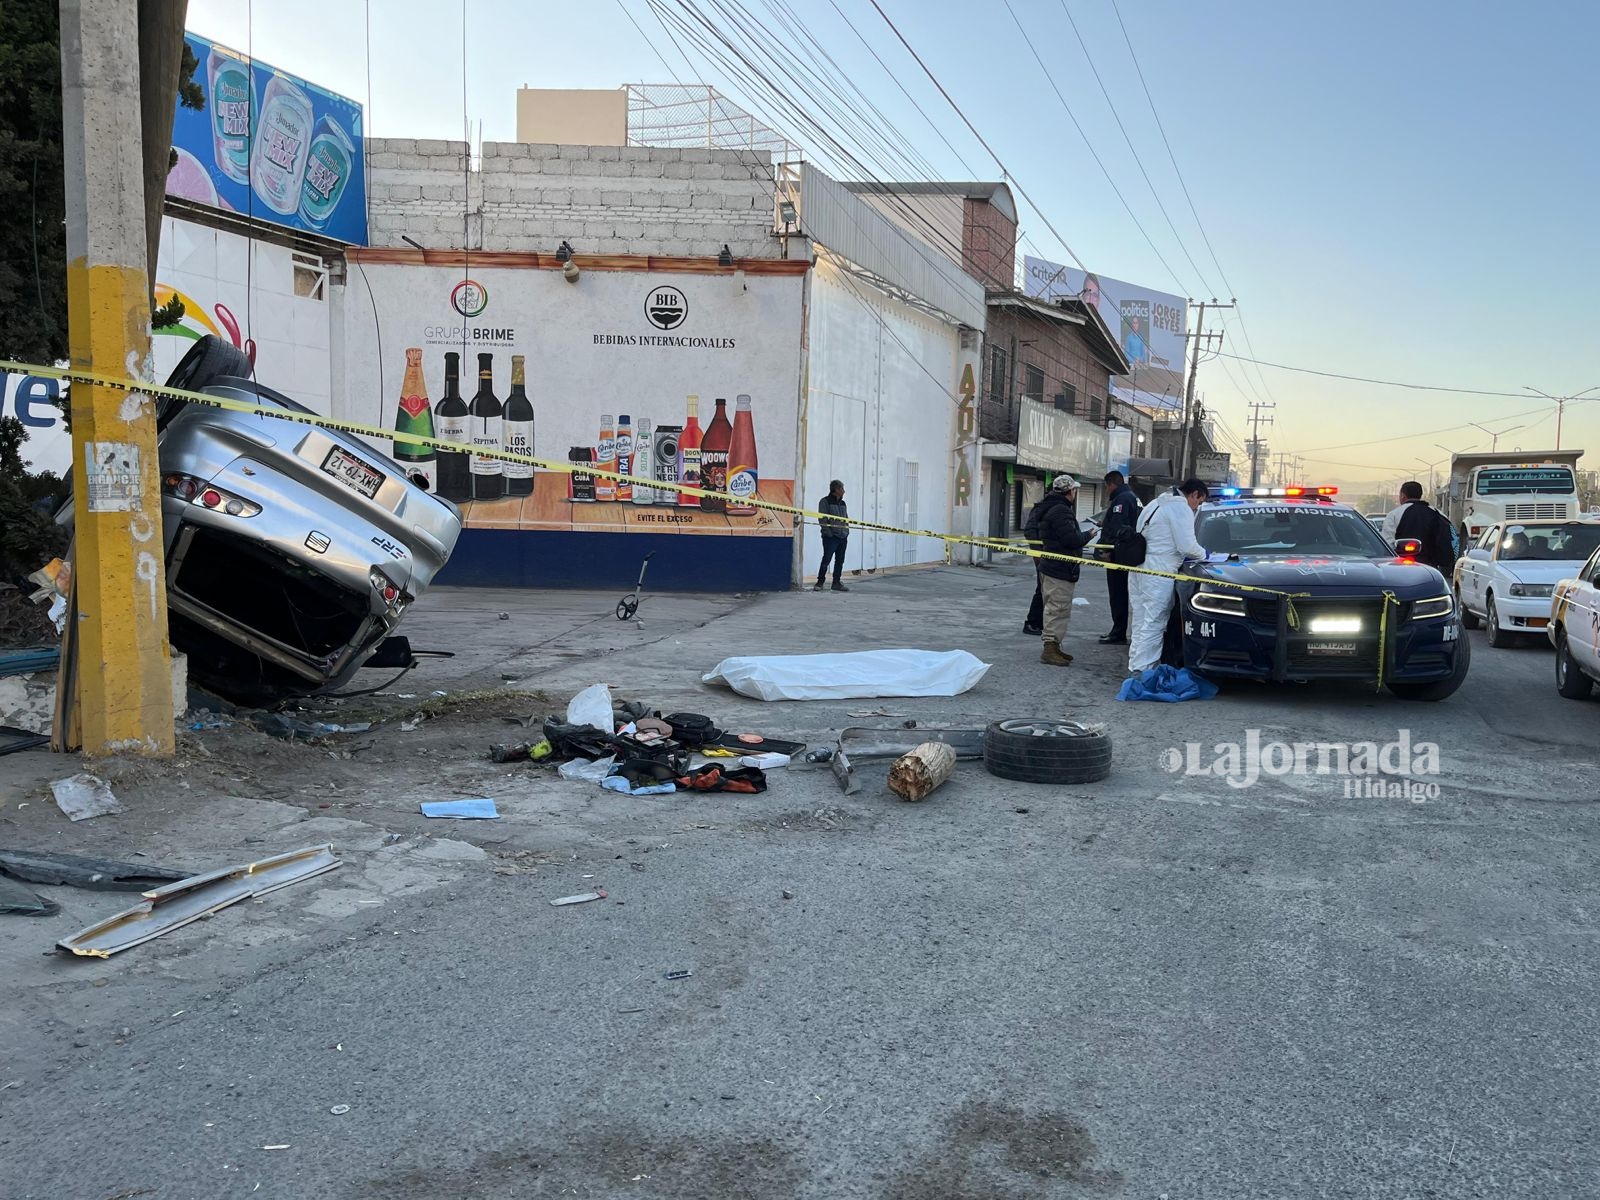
column 1038, row 750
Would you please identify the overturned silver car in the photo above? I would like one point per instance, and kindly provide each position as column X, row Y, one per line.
column 292, row 551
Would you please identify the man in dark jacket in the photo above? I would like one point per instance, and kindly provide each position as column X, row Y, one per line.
column 1416, row 518
column 1122, row 513
column 1060, row 534
column 1033, row 624
column 835, row 535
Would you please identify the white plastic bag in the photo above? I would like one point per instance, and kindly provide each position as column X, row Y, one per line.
column 585, row 771
column 863, row 675
column 592, row 706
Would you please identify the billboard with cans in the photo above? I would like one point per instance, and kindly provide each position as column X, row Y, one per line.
column 270, row 146
column 1149, row 325
column 672, row 377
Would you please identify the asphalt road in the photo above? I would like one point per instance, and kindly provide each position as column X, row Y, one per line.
column 1161, row 986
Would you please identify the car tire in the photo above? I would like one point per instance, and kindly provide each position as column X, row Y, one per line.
column 209, row 359
column 1439, row 689
column 1040, row 750
column 1497, row 637
column 1571, row 682
column 1469, row 619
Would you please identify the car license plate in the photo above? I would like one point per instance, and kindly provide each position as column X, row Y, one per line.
column 351, row 471
column 1538, row 622
column 1331, row 648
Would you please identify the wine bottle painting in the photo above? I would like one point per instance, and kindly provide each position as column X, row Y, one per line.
column 669, row 446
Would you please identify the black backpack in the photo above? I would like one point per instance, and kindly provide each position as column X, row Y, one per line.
column 1442, row 544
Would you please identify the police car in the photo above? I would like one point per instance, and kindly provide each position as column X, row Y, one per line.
column 1354, row 609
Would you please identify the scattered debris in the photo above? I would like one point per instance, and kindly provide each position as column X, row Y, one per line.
column 677, row 975
column 787, row 894
column 13, row 739
column 505, row 616
column 580, row 898
column 83, row 796
column 766, row 762
column 177, row 904
column 27, row 662
column 1080, row 602
column 339, row 1110
column 19, row 901
column 857, row 746
column 588, row 772
column 411, row 725
column 821, row 754
column 76, row 870
column 505, row 752
column 916, row 774
column 479, row 809
column 592, row 707
column 281, row 725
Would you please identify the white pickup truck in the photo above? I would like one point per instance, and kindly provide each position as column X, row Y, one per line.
column 1524, row 485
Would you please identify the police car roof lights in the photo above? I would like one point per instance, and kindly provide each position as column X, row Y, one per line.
column 1299, row 493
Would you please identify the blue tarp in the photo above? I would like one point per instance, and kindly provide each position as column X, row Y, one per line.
column 1168, row 685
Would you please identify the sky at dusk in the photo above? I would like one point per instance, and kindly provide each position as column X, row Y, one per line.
column 1402, row 192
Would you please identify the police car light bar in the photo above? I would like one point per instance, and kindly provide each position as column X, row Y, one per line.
column 1283, row 491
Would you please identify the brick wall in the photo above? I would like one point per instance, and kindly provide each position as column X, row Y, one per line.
column 989, row 245
column 1058, row 350
column 601, row 199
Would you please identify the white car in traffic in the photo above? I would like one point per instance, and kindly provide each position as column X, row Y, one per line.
column 1575, row 631
column 1507, row 578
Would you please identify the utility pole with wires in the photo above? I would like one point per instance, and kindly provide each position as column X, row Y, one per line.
column 1257, row 420
column 1191, row 417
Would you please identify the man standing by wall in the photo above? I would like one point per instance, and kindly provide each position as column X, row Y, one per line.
column 835, row 535
column 1060, row 534
column 1122, row 512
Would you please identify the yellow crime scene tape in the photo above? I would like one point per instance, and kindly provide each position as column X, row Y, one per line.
column 393, row 435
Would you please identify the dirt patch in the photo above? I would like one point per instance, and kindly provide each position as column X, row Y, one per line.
column 826, row 819
column 610, row 1160
column 994, row 1151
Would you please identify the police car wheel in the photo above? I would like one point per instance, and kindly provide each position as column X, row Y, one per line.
column 1469, row 619
column 1038, row 750
column 1440, row 689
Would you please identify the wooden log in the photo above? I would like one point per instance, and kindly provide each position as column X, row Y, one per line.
column 916, row 774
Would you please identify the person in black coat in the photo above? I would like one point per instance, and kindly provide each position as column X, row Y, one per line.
column 1122, row 513
column 1059, row 533
column 1033, row 624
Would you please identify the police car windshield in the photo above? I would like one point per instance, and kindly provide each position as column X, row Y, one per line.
column 1548, row 543
column 1299, row 529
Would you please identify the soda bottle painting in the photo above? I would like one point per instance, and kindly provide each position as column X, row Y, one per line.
column 744, row 470
column 232, row 104
column 282, row 144
column 328, row 167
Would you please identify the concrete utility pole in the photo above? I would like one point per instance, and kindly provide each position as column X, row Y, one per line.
column 1561, row 405
column 124, row 681
column 1256, row 422
column 1189, row 416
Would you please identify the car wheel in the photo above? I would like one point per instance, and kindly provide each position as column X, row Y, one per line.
column 1469, row 619
column 1498, row 637
column 208, row 359
column 1440, row 689
column 1036, row 750
column 1571, row 682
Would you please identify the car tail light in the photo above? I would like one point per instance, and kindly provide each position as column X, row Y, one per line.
column 197, row 491
column 388, row 590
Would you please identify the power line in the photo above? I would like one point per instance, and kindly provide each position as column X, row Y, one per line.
column 1088, row 145
column 1116, row 116
column 1419, row 387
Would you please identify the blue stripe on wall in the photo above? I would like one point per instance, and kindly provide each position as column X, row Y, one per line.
column 683, row 562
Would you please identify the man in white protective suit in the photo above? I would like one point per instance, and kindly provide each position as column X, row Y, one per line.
column 1168, row 527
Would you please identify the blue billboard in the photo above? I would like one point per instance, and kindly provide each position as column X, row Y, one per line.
column 270, row 146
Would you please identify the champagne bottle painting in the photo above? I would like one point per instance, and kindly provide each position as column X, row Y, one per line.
column 721, row 458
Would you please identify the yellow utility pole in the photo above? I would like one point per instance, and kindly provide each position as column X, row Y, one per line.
column 124, row 681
